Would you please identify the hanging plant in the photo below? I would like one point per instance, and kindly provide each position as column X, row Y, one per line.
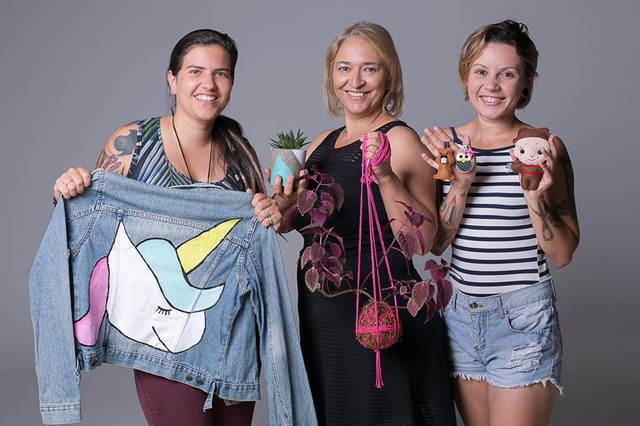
column 377, row 324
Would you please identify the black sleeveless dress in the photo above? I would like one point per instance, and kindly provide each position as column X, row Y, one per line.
column 342, row 372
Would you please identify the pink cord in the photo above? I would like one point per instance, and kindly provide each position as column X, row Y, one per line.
column 382, row 154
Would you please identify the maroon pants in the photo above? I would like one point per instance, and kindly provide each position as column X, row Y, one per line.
column 168, row 403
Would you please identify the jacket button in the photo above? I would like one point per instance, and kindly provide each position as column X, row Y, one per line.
column 473, row 305
column 189, row 378
column 200, row 382
column 93, row 362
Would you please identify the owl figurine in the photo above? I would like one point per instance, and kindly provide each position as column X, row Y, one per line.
column 464, row 159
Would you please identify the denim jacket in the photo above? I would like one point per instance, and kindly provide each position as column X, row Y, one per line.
column 179, row 282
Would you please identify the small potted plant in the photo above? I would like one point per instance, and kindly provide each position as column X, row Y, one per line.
column 287, row 154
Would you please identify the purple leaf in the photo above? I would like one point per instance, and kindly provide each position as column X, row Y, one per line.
column 319, row 216
column 445, row 293
column 338, row 194
column 430, row 264
column 420, row 293
column 335, row 249
column 312, row 254
column 306, row 200
column 311, row 279
column 430, row 311
column 412, row 307
column 312, row 228
column 407, row 244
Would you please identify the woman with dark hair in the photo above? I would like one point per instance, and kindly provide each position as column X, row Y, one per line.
column 504, row 336
column 363, row 86
column 195, row 144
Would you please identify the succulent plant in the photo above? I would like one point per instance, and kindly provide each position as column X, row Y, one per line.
column 289, row 140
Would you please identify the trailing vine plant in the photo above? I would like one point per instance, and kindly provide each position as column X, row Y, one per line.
column 325, row 257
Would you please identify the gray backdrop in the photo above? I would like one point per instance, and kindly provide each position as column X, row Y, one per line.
column 73, row 70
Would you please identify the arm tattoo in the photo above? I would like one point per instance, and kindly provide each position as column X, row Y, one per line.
column 564, row 208
column 108, row 162
column 443, row 235
column 124, row 145
column 567, row 207
column 549, row 220
column 447, row 231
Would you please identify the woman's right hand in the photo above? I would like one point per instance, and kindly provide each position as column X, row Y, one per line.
column 435, row 139
column 71, row 183
column 286, row 195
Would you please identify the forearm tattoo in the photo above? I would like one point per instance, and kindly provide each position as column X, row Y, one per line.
column 447, row 229
column 549, row 220
column 567, row 207
column 124, row 145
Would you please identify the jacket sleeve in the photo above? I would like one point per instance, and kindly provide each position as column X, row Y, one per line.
column 51, row 313
column 290, row 401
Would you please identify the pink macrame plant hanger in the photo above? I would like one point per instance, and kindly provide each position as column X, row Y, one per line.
column 377, row 323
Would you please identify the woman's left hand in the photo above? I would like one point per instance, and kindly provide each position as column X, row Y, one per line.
column 266, row 210
column 547, row 165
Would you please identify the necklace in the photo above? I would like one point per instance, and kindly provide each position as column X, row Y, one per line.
column 175, row 132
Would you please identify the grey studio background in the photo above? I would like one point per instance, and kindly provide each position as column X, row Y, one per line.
column 74, row 70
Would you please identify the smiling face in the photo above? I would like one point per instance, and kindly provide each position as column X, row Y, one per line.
column 496, row 82
column 359, row 78
column 529, row 150
column 203, row 84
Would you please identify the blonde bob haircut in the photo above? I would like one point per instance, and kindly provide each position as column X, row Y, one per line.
column 382, row 42
column 508, row 32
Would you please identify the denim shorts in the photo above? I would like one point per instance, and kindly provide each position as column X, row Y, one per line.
column 509, row 340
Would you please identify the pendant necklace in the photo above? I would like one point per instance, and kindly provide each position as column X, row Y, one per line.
column 175, row 132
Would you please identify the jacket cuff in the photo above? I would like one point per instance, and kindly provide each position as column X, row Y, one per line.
column 60, row 414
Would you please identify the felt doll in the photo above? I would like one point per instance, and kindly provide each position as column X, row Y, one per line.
column 445, row 159
column 528, row 153
column 464, row 159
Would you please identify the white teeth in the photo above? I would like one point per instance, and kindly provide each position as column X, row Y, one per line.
column 355, row 94
column 206, row 98
column 490, row 99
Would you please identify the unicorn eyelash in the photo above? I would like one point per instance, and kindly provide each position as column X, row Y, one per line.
column 163, row 311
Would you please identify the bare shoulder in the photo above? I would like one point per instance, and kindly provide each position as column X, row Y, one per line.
column 123, row 139
column 406, row 138
column 317, row 141
column 118, row 150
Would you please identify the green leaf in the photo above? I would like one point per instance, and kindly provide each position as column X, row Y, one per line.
column 289, row 140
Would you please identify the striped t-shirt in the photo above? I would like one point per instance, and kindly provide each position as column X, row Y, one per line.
column 496, row 249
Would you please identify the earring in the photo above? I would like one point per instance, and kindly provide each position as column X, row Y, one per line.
column 525, row 92
column 389, row 105
column 339, row 105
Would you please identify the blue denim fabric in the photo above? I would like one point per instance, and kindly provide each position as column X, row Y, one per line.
column 510, row 340
column 179, row 282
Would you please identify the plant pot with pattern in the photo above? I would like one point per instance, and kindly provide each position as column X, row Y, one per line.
column 287, row 154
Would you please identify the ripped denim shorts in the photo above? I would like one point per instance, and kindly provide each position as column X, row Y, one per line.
column 509, row 340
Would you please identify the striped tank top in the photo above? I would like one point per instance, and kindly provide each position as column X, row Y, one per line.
column 150, row 163
column 496, row 249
